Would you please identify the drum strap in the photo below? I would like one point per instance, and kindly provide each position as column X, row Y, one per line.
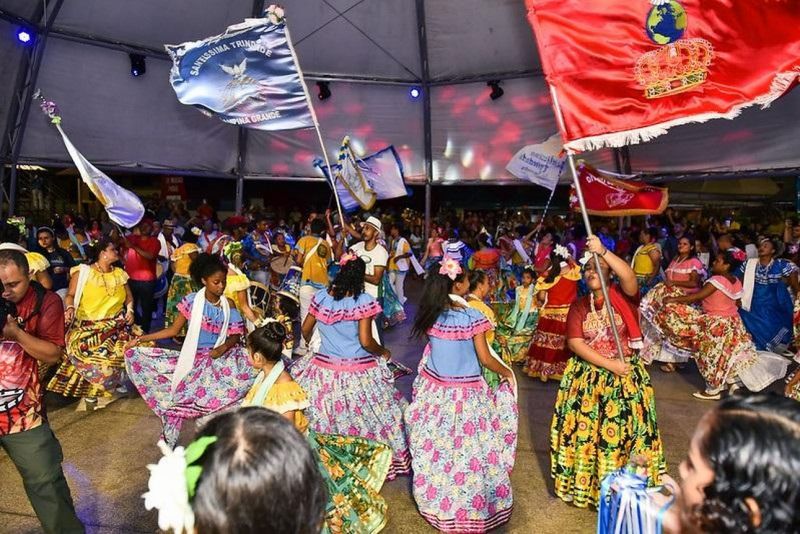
column 83, row 277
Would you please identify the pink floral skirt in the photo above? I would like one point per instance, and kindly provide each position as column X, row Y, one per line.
column 212, row 385
column 463, row 438
column 355, row 397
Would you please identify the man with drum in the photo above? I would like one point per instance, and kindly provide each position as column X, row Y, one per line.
column 257, row 248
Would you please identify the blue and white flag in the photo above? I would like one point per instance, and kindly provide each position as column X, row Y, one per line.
column 382, row 172
column 541, row 164
column 247, row 76
column 350, row 175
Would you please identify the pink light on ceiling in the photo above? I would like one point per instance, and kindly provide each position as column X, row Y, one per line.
column 737, row 136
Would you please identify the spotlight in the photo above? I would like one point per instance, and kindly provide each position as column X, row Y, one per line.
column 324, row 90
column 415, row 93
column 138, row 66
column 24, row 36
column 497, row 91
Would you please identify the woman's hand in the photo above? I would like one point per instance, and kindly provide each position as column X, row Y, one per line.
column 595, row 246
column 129, row 317
column 216, row 352
column 619, row 368
column 132, row 343
column 69, row 315
column 669, row 300
column 386, row 354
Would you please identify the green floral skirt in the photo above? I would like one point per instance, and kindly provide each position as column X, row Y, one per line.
column 601, row 422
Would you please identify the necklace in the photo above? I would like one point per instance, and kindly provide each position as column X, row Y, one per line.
column 110, row 288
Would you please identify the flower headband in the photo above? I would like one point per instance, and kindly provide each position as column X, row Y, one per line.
column 173, row 483
column 450, row 268
column 738, row 254
column 346, row 258
column 562, row 252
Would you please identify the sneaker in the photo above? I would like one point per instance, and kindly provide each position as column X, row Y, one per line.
column 705, row 395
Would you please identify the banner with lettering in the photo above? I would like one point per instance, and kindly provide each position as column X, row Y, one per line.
column 247, row 76
column 541, row 164
column 609, row 196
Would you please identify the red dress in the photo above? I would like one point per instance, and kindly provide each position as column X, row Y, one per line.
column 548, row 355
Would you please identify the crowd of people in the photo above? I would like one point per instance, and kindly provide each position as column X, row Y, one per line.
column 288, row 312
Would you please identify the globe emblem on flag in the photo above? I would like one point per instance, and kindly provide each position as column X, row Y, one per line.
column 666, row 23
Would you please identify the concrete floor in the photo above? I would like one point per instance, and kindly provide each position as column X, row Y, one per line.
column 106, row 453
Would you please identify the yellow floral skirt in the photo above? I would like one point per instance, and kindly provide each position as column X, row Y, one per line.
column 601, row 421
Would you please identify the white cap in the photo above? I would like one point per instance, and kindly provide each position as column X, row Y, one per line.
column 374, row 221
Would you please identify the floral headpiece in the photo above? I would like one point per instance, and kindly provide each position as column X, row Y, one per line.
column 173, row 483
column 450, row 268
column 562, row 252
column 346, row 258
column 231, row 249
column 738, row 254
column 275, row 14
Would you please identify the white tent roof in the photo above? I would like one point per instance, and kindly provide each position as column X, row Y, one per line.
column 370, row 50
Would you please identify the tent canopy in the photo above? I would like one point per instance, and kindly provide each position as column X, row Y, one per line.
column 371, row 51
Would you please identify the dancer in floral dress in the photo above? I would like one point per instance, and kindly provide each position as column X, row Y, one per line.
column 516, row 328
column 350, row 387
column 724, row 351
column 684, row 276
column 605, row 411
column 211, row 371
column 463, row 433
column 548, row 355
column 353, row 468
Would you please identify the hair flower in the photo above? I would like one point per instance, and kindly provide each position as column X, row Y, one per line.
column 739, row 254
column 450, row 268
column 346, row 258
column 562, row 252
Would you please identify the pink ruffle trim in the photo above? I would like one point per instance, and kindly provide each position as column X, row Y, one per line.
column 459, row 332
column 234, row 327
column 328, row 316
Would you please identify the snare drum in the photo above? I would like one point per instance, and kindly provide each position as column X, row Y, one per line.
column 162, row 284
column 258, row 296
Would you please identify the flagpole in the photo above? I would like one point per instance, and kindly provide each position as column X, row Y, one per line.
column 588, row 225
column 332, row 178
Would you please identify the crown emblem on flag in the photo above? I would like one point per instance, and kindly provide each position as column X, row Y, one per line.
column 674, row 68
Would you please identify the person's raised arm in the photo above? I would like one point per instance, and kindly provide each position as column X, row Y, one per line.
column 626, row 276
column 368, row 341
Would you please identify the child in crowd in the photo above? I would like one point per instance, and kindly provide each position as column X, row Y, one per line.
column 353, row 468
column 286, row 310
column 516, row 329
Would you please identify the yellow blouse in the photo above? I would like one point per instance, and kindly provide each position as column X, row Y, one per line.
column 488, row 312
column 235, row 282
column 283, row 397
column 181, row 260
column 103, row 296
column 642, row 263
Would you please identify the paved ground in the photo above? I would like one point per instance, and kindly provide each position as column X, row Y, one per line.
column 106, row 453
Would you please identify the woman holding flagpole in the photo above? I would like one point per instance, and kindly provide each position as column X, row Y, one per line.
column 605, row 410
column 211, row 372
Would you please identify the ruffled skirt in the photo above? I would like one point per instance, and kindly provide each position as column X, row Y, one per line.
column 548, row 355
column 212, row 384
column 601, row 421
column 354, row 470
column 94, row 363
column 463, row 438
column 355, row 397
column 661, row 325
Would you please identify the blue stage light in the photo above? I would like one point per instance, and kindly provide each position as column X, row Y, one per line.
column 24, row 36
column 415, row 93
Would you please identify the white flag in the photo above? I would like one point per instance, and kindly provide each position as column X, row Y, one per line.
column 349, row 174
column 541, row 164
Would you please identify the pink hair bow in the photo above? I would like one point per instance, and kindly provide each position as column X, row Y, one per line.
column 450, row 268
column 346, row 258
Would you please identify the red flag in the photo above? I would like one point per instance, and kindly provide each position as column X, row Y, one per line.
column 624, row 71
column 611, row 197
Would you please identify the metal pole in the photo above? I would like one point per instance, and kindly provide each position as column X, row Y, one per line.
column 27, row 98
column 422, row 34
column 603, row 285
column 587, row 223
column 240, row 159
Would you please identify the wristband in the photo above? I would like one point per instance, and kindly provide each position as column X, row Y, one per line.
column 70, row 307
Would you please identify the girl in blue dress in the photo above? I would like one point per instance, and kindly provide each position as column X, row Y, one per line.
column 767, row 308
column 350, row 387
column 462, row 432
